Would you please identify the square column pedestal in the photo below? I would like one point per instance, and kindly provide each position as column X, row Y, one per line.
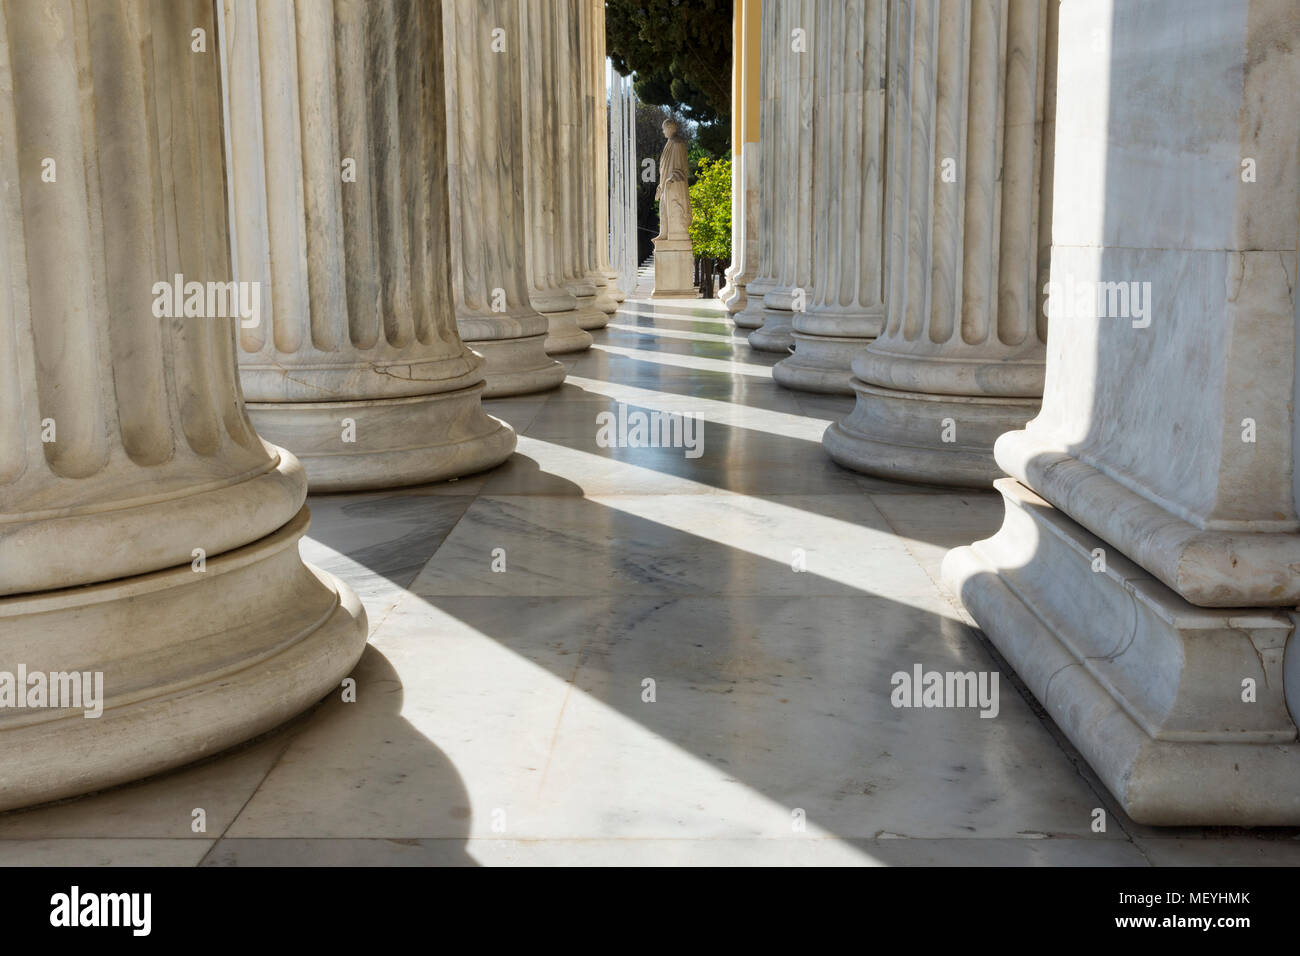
column 674, row 269
column 1145, row 580
column 1150, row 688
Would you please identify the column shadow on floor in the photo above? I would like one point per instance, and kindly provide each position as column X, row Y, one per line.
column 353, row 773
column 778, row 680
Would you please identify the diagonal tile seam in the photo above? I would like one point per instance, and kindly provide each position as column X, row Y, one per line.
column 373, row 629
column 559, row 717
column 289, row 739
column 1072, row 755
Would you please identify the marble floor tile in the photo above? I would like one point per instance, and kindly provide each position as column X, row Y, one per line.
column 624, row 363
column 736, row 460
column 804, row 851
column 517, row 412
column 681, row 390
column 652, row 333
column 752, row 722
column 378, row 542
column 671, row 544
column 103, row 852
column 1271, row 848
column 271, row 851
column 765, row 410
column 626, row 656
column 933, row 524
column 160, row 808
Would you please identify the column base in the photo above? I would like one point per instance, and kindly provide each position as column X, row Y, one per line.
column 611, row 278
column 517, row 366
column 1145, row 685
column 820, row 363
column 564, row 334
column 900, row 435
column 735, row 299
column 586, row 311
column 400, row 441
column 750, row 315
column 192, row 662
column 589, row 316
column 605, row 300
column 776, row 334
column 1210, row 567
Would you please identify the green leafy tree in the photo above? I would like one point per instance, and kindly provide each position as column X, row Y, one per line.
column 710, row 230
column 680, row 53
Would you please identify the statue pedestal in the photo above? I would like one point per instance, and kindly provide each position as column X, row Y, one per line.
column 674, row 269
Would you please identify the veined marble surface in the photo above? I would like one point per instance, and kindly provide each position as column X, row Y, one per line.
column 499, row 715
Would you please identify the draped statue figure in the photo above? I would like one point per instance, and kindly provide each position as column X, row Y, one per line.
column 674, row 200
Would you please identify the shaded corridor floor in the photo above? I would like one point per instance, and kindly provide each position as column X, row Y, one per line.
column 503, row 716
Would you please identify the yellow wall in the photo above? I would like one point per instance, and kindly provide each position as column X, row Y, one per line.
column 753, row 18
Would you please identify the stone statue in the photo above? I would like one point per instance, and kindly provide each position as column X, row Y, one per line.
column 674, row 260
column 674, row 199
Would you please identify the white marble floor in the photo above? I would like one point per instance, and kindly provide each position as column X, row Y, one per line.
column 501, row 715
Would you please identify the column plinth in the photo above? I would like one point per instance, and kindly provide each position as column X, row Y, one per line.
column 1145, row 577
column 357, row 365
column 848, row 308
column 148, row 536
column 960, row 360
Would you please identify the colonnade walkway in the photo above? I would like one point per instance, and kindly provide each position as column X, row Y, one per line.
column 625, row 654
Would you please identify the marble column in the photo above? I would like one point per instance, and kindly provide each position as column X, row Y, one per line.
column 575, row 210
column 729, row 292
column 148, row 536
column 745, row 109
column 548, row 183
column 485, row 174
column 595, row 130
column 338, row 175
column 791, row 200
column 623, row 173
column 960, row 360
column 848, row 306
column 1144, row 581
column 763, row 170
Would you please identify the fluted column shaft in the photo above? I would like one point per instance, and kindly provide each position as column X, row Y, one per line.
column 623, row 174
column 147, row 534
column 548, row 181
column 485, row 173
column 601, row 135
column 747, row 93
column 795, row 52
column 576, row 210
column 772, row 63
column 1145, row 577
column 594, row 134
column 113, row 411
column 729, row 292
column 848, row 306
column 343, row 218
column 961, row 357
